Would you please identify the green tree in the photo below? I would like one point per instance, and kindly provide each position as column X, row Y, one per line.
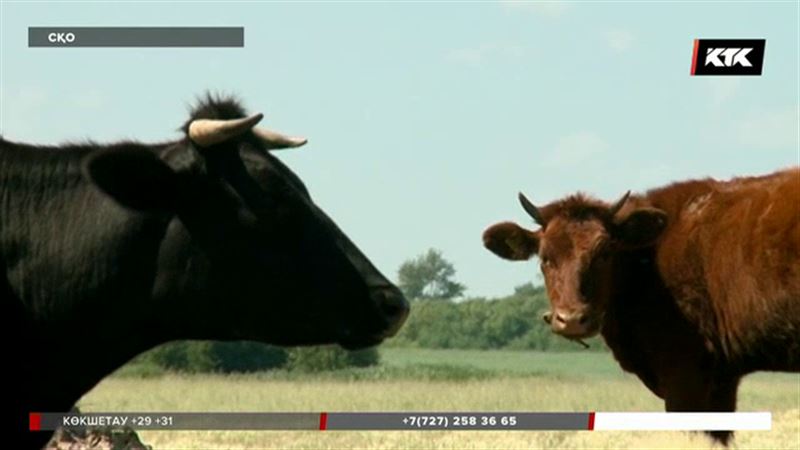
column 429, row 276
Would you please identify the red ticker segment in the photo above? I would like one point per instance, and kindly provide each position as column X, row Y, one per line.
column 407, row 421
column 35, row 421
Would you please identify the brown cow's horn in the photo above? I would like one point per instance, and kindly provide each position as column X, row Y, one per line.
column 207, row 132
column 531, row 209
column 273, row 140
column 619, row 204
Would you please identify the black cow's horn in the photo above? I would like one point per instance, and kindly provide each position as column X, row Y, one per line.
column 207, row 132
column 619, row 204
column 531, row 209
column 274, row 140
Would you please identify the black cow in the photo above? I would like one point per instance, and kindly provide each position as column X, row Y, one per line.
column 109, row 250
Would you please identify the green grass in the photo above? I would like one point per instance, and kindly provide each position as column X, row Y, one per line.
column 510, row 362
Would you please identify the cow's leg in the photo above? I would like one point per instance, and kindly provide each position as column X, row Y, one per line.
column 699, row 392
column 689, row 391
column 723, row 399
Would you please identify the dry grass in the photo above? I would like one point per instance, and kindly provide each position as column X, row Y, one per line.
column 779, row 393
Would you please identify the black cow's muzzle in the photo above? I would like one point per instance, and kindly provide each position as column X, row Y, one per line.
column 393, row 306
column 393, row 309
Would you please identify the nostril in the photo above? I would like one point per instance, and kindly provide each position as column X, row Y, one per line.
column 560, row 318
column 391, row 305
column 390, row 308
column 583, row 319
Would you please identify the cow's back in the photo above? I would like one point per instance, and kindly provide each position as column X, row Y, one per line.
column 731, row 258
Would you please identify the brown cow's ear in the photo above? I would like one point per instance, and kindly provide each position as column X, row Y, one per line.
column 510, row 241
column 639, row 227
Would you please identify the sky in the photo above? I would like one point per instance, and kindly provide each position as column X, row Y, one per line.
column 425, row 119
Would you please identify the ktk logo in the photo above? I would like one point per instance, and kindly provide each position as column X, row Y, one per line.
column 728, row 56
column 732, row 57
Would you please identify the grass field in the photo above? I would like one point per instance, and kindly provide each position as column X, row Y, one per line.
column 439, row 380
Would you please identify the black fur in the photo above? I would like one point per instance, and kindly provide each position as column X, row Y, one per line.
column 215, row 106
column 109, row 250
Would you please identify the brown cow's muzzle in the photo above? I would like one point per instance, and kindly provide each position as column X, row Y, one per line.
column 572, row 324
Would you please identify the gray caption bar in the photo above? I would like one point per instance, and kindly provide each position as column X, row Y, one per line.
column 458, row 421
column 135, row 36
column 182, row 421
column 317, row 421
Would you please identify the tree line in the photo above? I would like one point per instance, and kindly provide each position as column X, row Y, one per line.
column 513, row 322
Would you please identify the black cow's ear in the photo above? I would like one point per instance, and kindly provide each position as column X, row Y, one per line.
column 640, row 227
column 135, row 178
column 510, row 241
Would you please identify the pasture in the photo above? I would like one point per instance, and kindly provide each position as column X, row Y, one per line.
column 429, row 380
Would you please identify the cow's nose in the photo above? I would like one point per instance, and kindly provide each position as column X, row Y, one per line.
column 393, row 306
column 570, row 323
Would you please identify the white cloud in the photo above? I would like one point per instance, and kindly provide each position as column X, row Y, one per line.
column 482, row 52
column 769, row 129
column 547, row 8
column 472, row 55
column 619, row 40
column 575, row 149
column 723, row 89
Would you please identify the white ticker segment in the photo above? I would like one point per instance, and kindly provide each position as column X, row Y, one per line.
column 691, row 421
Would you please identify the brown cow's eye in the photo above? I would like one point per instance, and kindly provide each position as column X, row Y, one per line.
column 546, row 262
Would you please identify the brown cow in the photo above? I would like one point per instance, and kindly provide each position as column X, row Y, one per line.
column 692, row 285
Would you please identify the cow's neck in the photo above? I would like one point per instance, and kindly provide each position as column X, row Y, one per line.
column 629, row 319
column 640, row 310
column 76, row 275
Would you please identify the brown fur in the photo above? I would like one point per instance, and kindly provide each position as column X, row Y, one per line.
column 701, row 288
column 731, row 259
